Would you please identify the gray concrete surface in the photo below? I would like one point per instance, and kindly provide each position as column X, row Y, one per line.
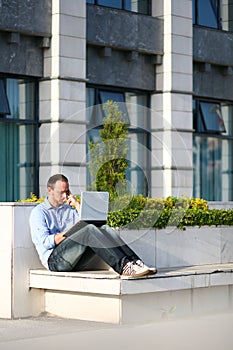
column 210, row 332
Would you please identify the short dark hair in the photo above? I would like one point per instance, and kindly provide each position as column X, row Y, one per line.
column 57, row 177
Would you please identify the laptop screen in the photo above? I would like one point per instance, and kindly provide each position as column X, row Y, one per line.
column 94, row 206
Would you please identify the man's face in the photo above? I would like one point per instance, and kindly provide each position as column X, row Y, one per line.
column 59, row 193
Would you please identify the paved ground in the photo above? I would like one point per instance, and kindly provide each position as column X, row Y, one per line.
column 212, row 332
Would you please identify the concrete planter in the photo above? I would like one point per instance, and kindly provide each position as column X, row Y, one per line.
column 172, row 247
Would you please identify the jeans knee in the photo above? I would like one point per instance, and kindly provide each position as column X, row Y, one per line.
column 91, row 227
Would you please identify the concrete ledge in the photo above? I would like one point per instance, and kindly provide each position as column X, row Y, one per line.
column 109, row 282
column 96, row 282
column 107, row 297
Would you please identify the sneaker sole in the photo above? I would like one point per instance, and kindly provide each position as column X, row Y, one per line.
column 144, row 273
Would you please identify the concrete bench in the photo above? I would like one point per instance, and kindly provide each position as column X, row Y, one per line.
column 107, row 297
column 205, row 284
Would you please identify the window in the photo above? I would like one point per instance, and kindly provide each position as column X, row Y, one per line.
column 104, row 96
column 113, row 3
column 4, row 104
column 212, row 150
column 207, row 13
column 134, row 106
column 209, row 119
column 18, row 141
column 139, row 6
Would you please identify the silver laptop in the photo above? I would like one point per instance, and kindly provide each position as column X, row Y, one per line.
column 94, row 206
column 93, row 209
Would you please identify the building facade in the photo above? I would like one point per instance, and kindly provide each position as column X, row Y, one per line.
column 167, row 63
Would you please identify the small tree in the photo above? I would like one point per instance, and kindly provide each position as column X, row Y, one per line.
column 108, row 158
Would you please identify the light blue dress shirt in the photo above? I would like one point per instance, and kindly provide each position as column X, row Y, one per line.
column 45, row 221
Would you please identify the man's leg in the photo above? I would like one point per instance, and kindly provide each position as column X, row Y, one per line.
column 103, row 245
column 81, row 246
column 67, row 255
column 118, row 241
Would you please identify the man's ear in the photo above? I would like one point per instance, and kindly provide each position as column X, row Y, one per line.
column 49, row 189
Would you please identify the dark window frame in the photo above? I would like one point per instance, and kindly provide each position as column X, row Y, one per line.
column 197, row 10
column 124, row 6
column 132, row 130
column 212, row 136
column 208, row 117
column 4, row 103
column 34, row 122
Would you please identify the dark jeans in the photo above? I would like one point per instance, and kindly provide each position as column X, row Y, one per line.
column 76, row 251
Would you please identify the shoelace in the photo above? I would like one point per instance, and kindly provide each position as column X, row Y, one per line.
column 128, row 268
column 140, row 263
column 131, row 266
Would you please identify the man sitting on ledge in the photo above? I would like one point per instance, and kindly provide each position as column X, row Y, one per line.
column 60, row 210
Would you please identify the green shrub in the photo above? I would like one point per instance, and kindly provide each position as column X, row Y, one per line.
column 108, row 157
column 159, row 213
column 141, row 212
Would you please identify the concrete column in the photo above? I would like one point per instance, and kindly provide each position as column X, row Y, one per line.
column 62, row 96
column 227, row 14
column 171, row 119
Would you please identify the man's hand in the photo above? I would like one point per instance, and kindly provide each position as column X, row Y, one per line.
column 59, row 237
column 71, row 200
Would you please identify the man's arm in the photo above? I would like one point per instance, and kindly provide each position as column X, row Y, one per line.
column 40, row 232
column 71, row 200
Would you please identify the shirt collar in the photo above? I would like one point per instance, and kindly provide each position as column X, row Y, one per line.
column 49, row 206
